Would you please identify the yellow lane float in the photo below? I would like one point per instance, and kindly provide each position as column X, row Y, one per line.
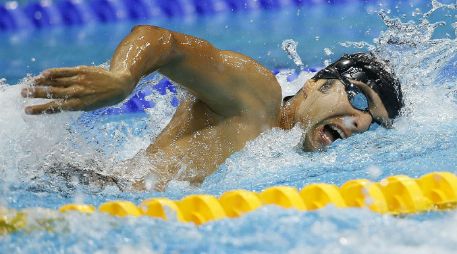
column 120, row 208
column 319, row 195
column 392, row 195
column 201, row 209
column 77, row 208
column 440, row 188
column 403, row 195
column 363, row 193
column 239, row 202
column 285, row 196
column 161, row 208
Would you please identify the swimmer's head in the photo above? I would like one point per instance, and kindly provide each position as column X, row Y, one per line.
column 368, row 69
column 346, row 98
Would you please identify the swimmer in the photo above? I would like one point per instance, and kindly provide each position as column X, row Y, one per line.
column 235, row 99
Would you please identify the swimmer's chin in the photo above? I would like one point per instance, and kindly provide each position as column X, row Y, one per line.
column 314, row 149
column 309, row 145
column 314, row 140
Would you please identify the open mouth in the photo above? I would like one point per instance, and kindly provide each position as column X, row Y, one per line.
column 330, row 133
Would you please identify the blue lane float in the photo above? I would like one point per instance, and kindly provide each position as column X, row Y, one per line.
column 7, row 21
column 137, row 9
column 138, row 102
column 12, row 17
column 43, row 14
column 75, row 12
column 48, row 13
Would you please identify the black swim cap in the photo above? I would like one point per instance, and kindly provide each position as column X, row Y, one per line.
column 367, row 68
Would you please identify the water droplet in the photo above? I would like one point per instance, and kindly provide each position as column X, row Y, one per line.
column 374, row 172
column 343, row 241
column 348, row 122
column 290, row 46
column 328, row 51
column 11, row 5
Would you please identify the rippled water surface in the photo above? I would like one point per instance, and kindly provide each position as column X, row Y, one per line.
column 421, row 52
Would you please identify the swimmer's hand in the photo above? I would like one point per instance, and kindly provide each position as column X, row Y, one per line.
column 80, row 88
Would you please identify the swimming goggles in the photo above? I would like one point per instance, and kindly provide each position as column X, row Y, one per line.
column 357, row 98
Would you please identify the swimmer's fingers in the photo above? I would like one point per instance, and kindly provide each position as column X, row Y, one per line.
column 57, row 82
column 61, row 76
column 53, row 107
column 56, row 73
column 50, row 92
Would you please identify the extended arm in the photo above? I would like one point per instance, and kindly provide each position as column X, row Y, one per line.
column 144, row 50
column 226, row 81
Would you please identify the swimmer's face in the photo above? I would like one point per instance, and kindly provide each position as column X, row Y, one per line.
column 326, row 114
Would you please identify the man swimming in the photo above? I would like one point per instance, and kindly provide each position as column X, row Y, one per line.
column 235, row 99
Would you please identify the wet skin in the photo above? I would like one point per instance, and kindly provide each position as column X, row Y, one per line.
column 235, row 99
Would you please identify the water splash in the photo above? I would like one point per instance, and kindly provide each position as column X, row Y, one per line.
column 436, row 5
column 406, row 33
column 409, row 48
column 328, row 52
column 58, row 153
column 419, row 61
column 423, row 140
column 424, row 129
column 290, row 47
column 358, row 45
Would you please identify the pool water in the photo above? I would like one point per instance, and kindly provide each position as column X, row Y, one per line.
column 423, row 140
column 258, row 34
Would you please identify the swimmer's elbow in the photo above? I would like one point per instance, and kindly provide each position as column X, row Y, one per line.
column 161, row 41
column 143, row 28
column 155, row 33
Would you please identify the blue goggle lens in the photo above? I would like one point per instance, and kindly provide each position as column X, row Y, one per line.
column 358, row 100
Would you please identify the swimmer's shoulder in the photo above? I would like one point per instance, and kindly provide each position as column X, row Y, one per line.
column 256, row 78
column 229, row 82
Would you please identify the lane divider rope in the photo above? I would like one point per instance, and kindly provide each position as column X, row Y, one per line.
column 48, row 13
column 395, row 195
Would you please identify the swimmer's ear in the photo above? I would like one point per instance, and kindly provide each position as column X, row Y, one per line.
column 288, row 98
column 325, row 88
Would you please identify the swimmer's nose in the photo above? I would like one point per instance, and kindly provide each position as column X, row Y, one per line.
column 358, row 123
column 362, row 122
